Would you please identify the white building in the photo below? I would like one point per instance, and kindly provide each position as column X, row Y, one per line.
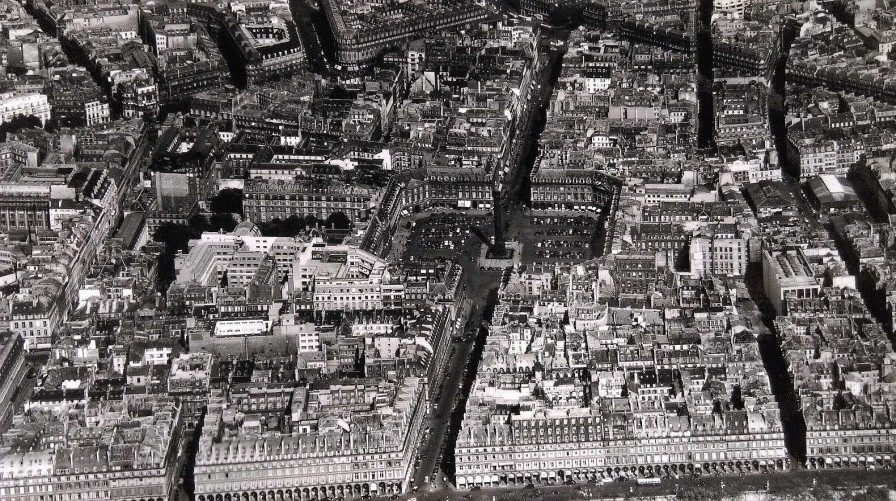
column 720, row 252
column 326, row 455
column 243, row 267
column 730, row 8
column 344, row 277
column 30, row 104
column 97, row 112
column 91, row 458
column 786, row 273
column 247, row 327
column 210, row 255
column 654, row 193
column 749, row 170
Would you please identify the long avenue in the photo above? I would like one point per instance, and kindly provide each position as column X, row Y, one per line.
column 434, row 465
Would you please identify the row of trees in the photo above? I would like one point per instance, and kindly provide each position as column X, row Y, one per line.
column 296, row 225
column 791, row 490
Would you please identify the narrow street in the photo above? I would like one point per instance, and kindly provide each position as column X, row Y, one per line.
column 430, row 474
column 792, row 420
column 705, row 105
column 304, row 15
column 524, row 148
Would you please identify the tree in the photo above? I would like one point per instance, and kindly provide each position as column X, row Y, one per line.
column 789, row 488
column 222, row 221
column 295, row 225
column 17, row 70
column 227, row 201
column 700, row 492
column 199, row 224
column 18, row 123
column 871, row 493
column 822, row 492
column 338, row 221
column 289, row 227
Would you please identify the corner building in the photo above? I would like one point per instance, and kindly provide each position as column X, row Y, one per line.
column 371, row 452
column 116, row 451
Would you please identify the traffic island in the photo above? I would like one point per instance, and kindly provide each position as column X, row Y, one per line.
column 492, row 259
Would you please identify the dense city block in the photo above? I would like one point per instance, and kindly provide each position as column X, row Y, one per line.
column 453, row 249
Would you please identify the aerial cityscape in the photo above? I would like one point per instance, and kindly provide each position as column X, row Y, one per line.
column 284, row 250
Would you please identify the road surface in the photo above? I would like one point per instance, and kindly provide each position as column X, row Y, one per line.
column 439, row 420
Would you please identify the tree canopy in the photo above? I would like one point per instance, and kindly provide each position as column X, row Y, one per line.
column 338, row 221
column 227, row 201
column 289, row 227
column 18, row 123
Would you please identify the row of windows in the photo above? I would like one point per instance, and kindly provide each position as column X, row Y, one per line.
column 288, row 202
column 855, row 449
column 628, row 459
column 847, row 440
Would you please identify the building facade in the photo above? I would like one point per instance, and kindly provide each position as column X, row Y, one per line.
column 87, row 467
column 32, row 104
column 13, row 368
column 368, row 454
column 266, row 200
